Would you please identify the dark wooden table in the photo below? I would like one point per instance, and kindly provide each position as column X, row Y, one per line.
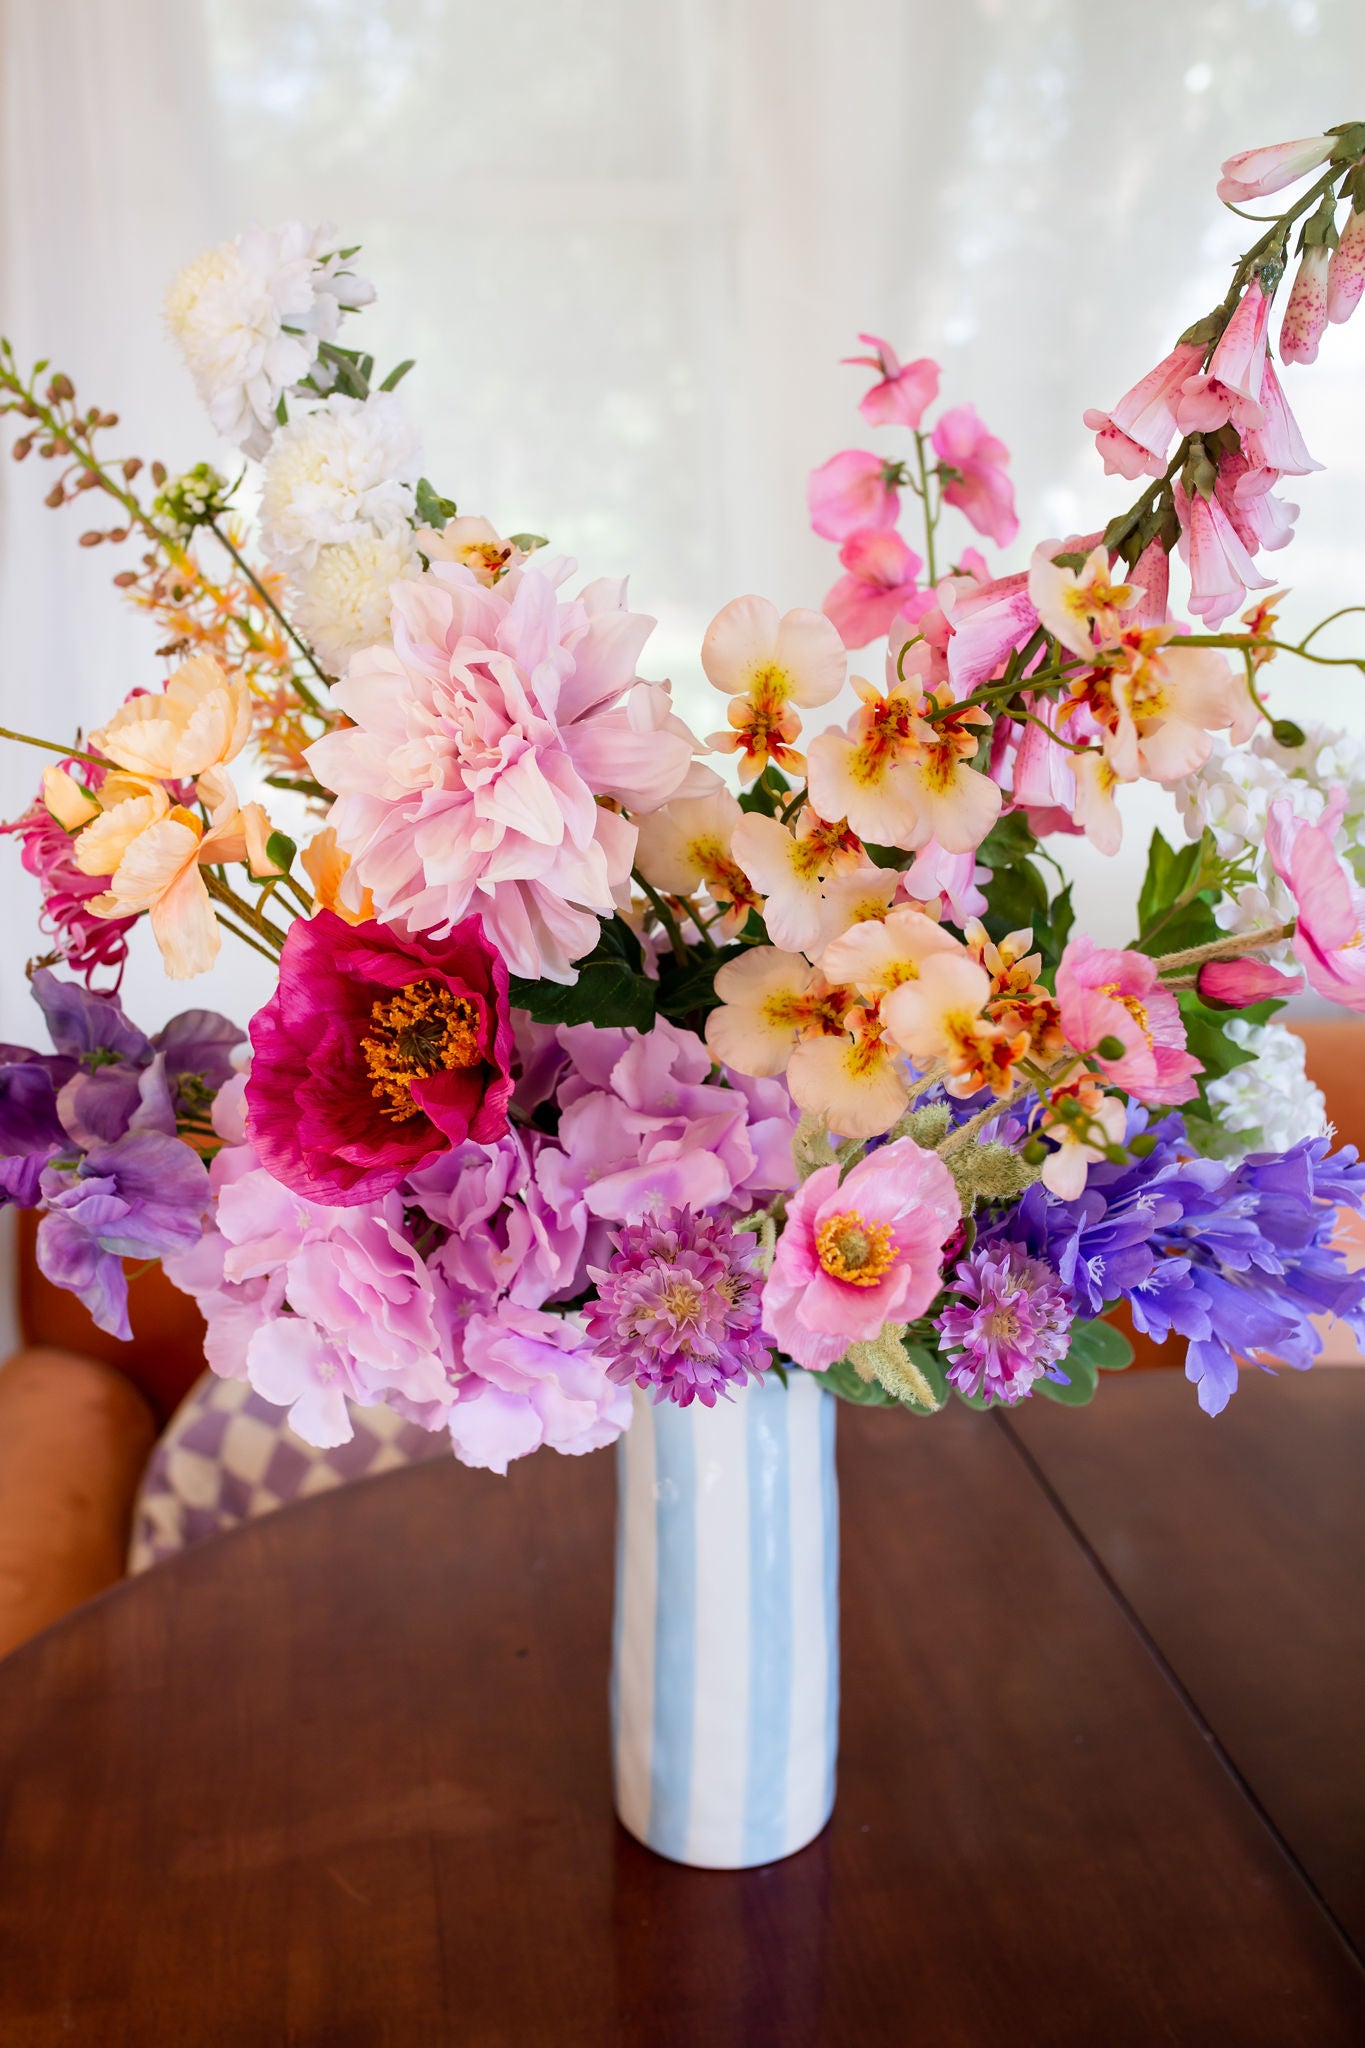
column 343, row 1778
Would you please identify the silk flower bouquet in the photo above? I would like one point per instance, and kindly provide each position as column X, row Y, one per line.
column 592, row 1091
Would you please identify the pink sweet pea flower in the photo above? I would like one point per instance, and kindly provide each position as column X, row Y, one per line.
column 1305, row 317
column 851, row 491
column 1135, row 438
column 1254, row 172
column 903, row 390
column 1276, row 443
column 856, row 1256
column 1230, row 388
column 1329, row 903
column 1105, row 993
column 1235, row 984
column 982, row 490
column 879, row 584
column 1221, row 570
column 1346, row 271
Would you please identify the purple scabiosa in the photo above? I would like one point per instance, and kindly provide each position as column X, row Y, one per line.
column 1008, row 1327
column 677, row 1309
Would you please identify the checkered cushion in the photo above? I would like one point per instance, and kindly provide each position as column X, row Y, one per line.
column 228, row 1455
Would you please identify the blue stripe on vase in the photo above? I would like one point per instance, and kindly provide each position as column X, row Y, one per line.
column 675, row 1488
column 829, row 1508
column 618, row 1612
column 770, row 1622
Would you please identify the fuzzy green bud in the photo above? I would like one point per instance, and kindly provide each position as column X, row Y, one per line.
column 1111, row 1048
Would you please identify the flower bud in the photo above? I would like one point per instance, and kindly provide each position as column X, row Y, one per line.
column 1034, row 1152
column 1286, row 733
column 1305, row 317
column 1111, row 1048
column 1234, row 984
column 1143, row 1145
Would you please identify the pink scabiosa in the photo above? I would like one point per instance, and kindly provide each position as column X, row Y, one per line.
column 1008, row 1325
column 857, row 1255
column 677, row 1308
column 375, row 1054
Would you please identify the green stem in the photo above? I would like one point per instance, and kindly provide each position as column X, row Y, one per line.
column 931, row 511
column 27, row 739
column 222, row 893
column 666, row 918
column 268, row 601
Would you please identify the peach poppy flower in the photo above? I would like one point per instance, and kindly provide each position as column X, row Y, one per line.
column 202, row 719
column 324, row 863
column 790, row 869
column 876, row 958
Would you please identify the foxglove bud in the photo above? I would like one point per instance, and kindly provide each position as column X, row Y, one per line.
column 1305, row 317
column 1346, row 271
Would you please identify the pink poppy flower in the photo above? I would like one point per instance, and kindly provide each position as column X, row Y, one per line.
column 902, row 391
column 1135, row 438
column 1235, row 984
column 1329, row 903
column 1254, row 172
column 376, row 1053
column 879, row 585
column 1230, row 388
column 1305, row 317
column 1346, row 271
column 1105, row 993
column 851, row 491
column 856, row 1256
column 1221, row 570
column 982, row 488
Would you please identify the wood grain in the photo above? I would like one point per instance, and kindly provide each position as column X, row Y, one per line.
column 343, row 1779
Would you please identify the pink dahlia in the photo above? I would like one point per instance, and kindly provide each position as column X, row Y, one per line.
column 1109, row 996
column 677, row 1309
column 375, row 1054
column 858, row 1254
column 483, row 738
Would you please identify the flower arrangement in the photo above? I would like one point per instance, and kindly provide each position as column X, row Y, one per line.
column 603, row 1054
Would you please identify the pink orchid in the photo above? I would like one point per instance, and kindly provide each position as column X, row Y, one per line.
column 1221, row 570
column 1235, row 984
column 1254, row 172
column 1276, row 443
column 852, row 491
column 903, row 390
column 1135, row 438
column 1305, row 317
column 1329, row 902
column 879, row 585
column 982, row 488
column 1257, row 517
column 1105, row 993
column 858, row 1255
column 1346, row 271
column 1230, row 388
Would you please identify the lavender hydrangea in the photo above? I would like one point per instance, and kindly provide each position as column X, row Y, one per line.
column 1008, row 1326
column 677, row 1309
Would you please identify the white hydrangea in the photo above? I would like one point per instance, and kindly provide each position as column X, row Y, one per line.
column 248, row 317
column 332, row 474
column 1232, row 793
column 342, row 601
column 1270, row 1100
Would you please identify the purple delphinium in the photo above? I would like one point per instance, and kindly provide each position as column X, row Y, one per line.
column 1008, row 1327
column 677, row 1309
column 1234, row 1259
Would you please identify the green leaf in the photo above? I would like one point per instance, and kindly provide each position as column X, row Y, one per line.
column 396, row 375
column 1080, row 1382
column 767, row 795
column 887, row 856
column 1009, row 840
column 606, row 993
column 528, row 542
column 1101, row 1345
column 432, row 508
column 842, row 1380
column 1206, row 1035
column 1062, row 918
column 1016, row 897
column 280, row 850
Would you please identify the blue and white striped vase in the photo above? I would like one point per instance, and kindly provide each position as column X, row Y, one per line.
column 725, row 1661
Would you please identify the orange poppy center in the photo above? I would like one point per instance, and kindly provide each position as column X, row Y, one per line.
column 422, row 1030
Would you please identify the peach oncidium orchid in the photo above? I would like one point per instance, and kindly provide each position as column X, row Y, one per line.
column 769, row 1001
column 770, row 667
column 688, row 842
column 790, row 867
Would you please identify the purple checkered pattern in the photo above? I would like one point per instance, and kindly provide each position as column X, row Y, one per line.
column 228, row 1455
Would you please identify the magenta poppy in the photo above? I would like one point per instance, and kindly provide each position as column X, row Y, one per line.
column 375, row 1054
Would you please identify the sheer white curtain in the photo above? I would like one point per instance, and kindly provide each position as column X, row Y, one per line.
column 627, row 245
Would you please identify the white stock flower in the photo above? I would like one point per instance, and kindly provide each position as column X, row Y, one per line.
column 248, row 317
column 343, row 601
column 1271, row 1099
column 336, row 473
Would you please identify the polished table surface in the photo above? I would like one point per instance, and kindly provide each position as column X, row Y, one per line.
column 342, row 1778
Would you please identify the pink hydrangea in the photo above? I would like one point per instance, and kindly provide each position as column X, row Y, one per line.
column 644, row 1127
column 531, row 1380
column 857, row 1254
column 982, row 487
column 482, row 739
column 1107, row 994
column 503, row 1236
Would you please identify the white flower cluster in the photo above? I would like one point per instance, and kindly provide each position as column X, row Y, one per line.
column 248, row 317
column 1271, row 1100
column 337, row 507
column 1232, row 793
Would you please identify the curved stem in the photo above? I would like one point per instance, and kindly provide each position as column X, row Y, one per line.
column 268, row 601
column 665, row 916
column 27, row 739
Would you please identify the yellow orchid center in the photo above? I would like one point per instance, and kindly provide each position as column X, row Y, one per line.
column 852, row 1249
column 420, row 1031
